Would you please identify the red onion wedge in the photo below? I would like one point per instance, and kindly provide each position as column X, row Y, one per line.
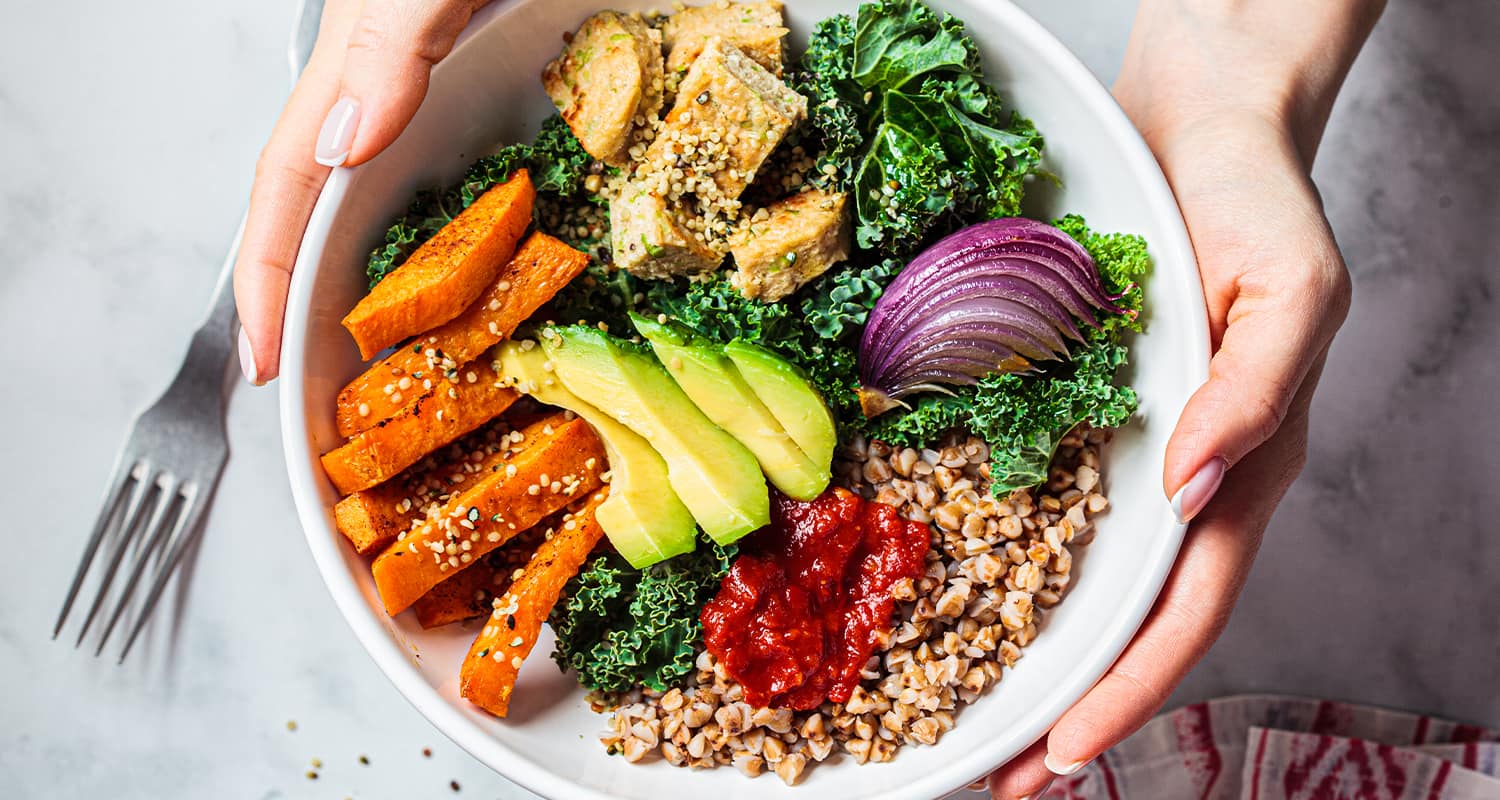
column 992, row 298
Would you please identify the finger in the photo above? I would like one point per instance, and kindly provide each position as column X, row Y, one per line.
column 1194, row 605
column 391, row 51
column 1025, row 776
column 1276, row 327
column 287, row 183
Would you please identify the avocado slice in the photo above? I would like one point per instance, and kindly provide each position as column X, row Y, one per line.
column 713, row 383
column 714, row 475
column 643, row 518
column 789, row 396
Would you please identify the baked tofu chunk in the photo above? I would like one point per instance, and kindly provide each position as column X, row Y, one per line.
column 729, row 115
column 648, row 239
column 757, row 29
column 608, row 76
column 781, row 248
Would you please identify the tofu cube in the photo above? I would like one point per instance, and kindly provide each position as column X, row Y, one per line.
column 647, row 238
column 729, row 115
column 796, row 240
column 757, row 29
column 609, row 74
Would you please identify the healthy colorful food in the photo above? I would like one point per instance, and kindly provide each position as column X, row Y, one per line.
column 782, row 416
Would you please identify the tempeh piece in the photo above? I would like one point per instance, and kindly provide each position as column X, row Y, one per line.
column 424, row 425
column 541, row 267
column 447, row 272
column 557, row 462
column 488, row 676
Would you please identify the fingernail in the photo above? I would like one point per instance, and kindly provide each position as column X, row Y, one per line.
column 1064, row 769
column 337, row 133
column 1196, row 493
column 247, row 359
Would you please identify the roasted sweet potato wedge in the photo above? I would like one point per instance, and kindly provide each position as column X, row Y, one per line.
column 421, row 427
column 555, row 463
column 371, row 519
column 469, row 594
column 488, row 676
column 541, row 267
column 445, row 275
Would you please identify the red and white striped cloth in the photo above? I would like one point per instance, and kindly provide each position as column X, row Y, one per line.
column 1261, row 747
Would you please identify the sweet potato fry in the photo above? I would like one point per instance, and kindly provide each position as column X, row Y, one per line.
column 556, row 462
column 373, row 518
column 539, row 269
column 469, row 593
column 489, row 671
column 424, row 425
column 445, row 274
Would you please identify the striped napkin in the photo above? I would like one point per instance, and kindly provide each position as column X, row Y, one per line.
column 1265, row 747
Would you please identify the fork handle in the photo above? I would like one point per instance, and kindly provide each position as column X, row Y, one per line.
column 214, row 339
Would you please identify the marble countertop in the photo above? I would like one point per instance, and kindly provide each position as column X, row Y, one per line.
column 124, row 174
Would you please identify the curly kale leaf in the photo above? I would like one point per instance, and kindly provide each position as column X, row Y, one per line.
column 897, row 41
column 557, row 161
column 899, row 104
column 620, row 628
column 838, row 303
column 903, row 184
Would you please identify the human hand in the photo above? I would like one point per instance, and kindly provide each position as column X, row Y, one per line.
column 365, row 80
column 1234, row 122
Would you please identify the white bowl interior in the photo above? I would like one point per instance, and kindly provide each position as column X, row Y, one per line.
column 487, row 94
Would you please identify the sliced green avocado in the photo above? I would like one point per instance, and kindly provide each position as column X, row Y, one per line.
column 643, row 517
column 714, row 475
column 790, row 397
column 713, row 383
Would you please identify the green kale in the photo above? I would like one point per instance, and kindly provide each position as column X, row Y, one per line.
column 558, row 166
column 837, row 304
column 836, row 108
column 620, row 628
column 557, row 161
column 897, row 41
column 600, row 294
column 900, row 106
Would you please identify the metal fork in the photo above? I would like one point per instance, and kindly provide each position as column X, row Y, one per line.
column 164, row 477
column 166, row 473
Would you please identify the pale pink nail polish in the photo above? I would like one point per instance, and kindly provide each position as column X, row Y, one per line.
column 1059, row 768
column 1199, row 489
column 247, row 359
column 337, row 134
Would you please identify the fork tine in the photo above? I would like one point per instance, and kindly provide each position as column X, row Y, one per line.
column 171, row 513
column 149, row 500
column 193, row 515
column 114, row 494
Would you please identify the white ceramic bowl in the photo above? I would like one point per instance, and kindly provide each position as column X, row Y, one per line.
column 486, row 94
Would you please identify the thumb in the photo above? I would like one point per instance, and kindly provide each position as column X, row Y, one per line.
column 391, row 51
column 1278, row 323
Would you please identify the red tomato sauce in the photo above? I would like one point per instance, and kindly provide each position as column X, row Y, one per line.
column 799, row 613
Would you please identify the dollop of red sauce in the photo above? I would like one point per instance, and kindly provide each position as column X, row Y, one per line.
column 800, row 611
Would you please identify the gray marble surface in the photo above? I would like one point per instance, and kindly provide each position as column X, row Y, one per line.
column 127, row 137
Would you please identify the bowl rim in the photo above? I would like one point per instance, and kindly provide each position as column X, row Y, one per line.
column 394, row 662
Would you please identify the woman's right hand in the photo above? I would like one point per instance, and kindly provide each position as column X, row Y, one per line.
column 365, row 80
